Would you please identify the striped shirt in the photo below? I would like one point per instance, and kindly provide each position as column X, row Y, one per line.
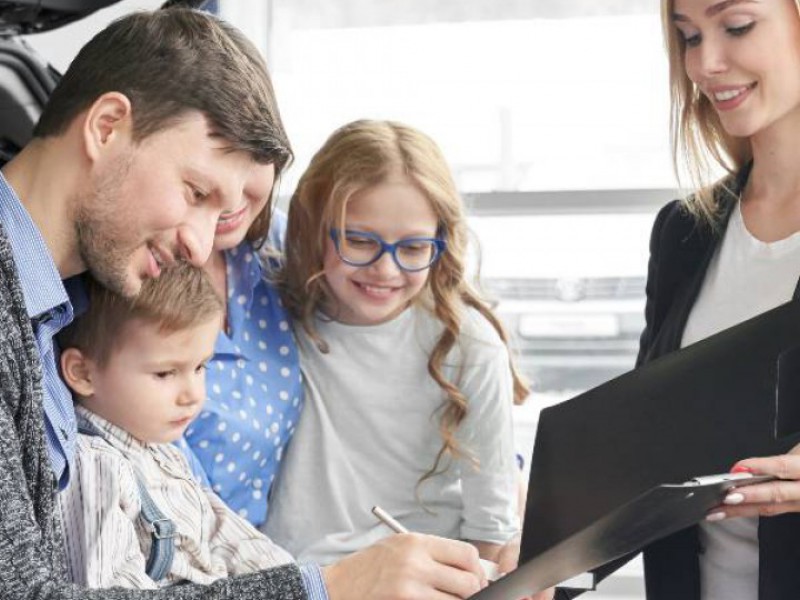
column 107, row 541
column 50, row 310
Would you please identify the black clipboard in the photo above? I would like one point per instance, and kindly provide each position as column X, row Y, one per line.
column 700, row 409
column 658, row 512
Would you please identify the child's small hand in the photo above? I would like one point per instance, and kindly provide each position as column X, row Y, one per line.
column 508, row 556
column 508, row 560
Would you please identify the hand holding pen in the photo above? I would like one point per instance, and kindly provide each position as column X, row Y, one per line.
column 414, row 566
column 489, row 567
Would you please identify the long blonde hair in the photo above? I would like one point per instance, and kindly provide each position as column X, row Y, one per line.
column 355, row 157
column 697, row 135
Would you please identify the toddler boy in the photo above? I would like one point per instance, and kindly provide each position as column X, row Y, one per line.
column 133, row 514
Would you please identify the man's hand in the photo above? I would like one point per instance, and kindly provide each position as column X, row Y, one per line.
column 407, row 566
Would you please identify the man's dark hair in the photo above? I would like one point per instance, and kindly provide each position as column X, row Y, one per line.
column 169, row 62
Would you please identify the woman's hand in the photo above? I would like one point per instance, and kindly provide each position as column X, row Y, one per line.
column 764, row 499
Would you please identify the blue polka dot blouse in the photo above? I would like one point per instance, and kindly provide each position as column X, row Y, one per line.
column 254, row 391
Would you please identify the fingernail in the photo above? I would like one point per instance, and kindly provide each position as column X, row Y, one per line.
column 715, row 516
column 741, row 469
column 734, row 498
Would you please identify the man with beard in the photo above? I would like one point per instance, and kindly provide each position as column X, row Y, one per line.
column 164, row 121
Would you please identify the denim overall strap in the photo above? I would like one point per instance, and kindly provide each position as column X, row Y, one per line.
column 162, row 530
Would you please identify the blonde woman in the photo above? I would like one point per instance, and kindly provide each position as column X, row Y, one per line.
column 725, row 254
column 408, row 379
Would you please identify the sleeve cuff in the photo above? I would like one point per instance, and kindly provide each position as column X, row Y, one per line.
column 313, row 582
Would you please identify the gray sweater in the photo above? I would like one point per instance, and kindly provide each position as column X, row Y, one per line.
column 31, row 551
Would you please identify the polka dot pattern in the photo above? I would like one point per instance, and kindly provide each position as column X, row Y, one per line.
column 248, row 420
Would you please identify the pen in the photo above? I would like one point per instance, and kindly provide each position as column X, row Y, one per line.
column 489, row 567
column 388, row 520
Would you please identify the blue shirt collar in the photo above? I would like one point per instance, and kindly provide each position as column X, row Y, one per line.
column 243, row 272
column 76, row 290
column 41, row 282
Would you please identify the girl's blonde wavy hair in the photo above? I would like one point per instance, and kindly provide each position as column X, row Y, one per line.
column 358, row 156
column 697, row 135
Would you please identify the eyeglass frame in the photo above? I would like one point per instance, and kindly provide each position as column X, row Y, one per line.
column 439, row 247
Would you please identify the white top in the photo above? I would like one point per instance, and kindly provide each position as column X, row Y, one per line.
column 106, row 541
column 746, row 277
column 369, row 431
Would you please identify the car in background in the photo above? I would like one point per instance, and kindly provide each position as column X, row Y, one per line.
column 26, row 78
column 570, row 288
column 26, row 81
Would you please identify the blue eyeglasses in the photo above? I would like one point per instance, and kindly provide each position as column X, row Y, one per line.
column 361, row 248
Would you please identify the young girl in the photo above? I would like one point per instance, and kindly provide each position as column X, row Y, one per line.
column 408, row 380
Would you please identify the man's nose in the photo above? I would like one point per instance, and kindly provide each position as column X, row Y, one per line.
column 196, row 237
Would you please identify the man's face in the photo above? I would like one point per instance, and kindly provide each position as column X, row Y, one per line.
column 150, row 204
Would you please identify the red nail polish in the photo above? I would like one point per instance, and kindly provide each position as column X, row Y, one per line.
column 741, row 469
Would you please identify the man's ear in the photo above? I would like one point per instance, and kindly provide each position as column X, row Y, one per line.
column 76, row 369
column 108, row 120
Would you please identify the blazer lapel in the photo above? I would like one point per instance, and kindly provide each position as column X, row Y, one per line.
column 697, row 250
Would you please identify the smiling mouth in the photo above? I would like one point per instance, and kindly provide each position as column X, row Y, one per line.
column 225, row 217
column 161, row 258
column 230, row 221
column 376, row 290
column 727, row 95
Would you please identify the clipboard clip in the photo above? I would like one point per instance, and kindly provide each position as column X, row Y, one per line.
column 733, row 478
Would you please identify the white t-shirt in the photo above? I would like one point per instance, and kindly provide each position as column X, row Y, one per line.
column 369, row 431
column 746, row 277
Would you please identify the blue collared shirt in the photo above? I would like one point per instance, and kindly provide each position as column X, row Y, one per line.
column 50, row 310
column 312, row 579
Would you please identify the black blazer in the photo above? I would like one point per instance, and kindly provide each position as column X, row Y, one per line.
column 681, row 248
